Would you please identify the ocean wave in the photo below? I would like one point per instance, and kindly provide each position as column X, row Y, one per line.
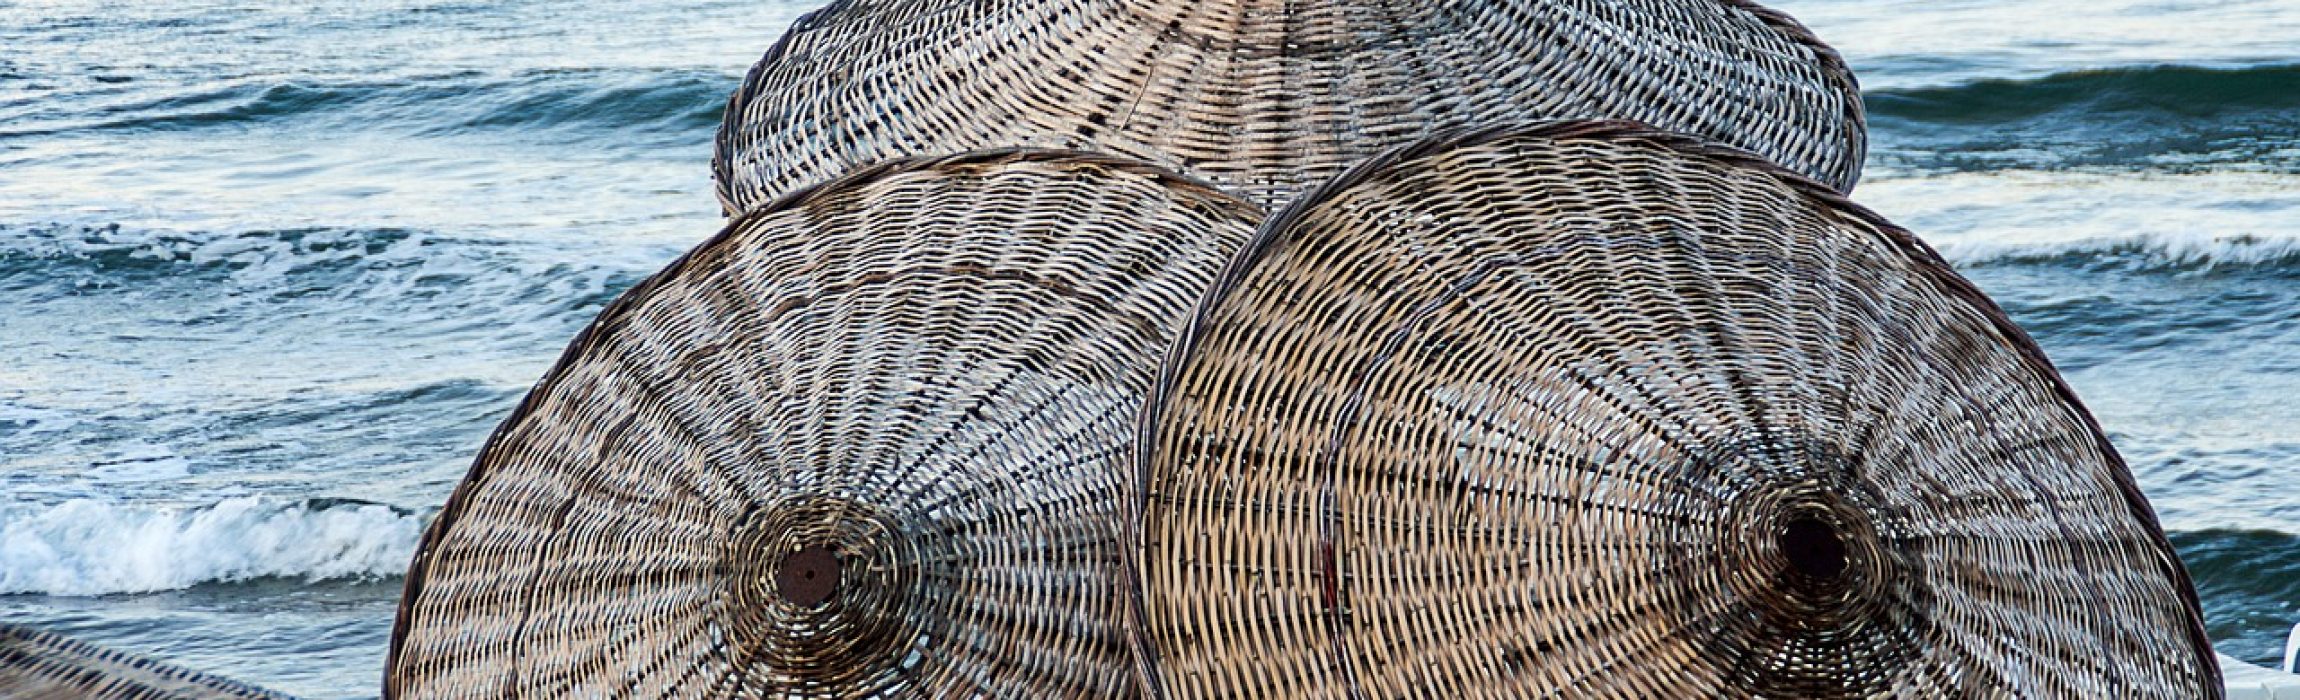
column 390, row 301
column 682, row 100
column 383, row 265
column 92, row 547
column 2108, row 222
column 2242, row 555
column 2160, row 116
column 2171, row 90
column 2155, row 252
column 2247, row 580
column 132, row 252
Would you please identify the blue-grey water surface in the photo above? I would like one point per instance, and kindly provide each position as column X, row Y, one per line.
column 269, row 274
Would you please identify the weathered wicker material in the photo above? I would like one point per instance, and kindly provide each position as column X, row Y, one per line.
column 1268, row 98
column 916, row 381
column 37, row 665
column 1588, row 410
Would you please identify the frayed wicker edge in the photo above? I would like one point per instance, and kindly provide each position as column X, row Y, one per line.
column 1136, row 505
column 57, row 643
column 1839, row 72
column 612, row 316
column 721, row 143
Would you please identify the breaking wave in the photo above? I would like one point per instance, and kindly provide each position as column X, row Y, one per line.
column 2153, row 252
column 2165, row 90
column 2168, row 116
column 92, row 547
column 616, row 100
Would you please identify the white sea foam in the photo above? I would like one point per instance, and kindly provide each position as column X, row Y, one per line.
column 2149, row 250
column 2205, row 219
column 92, row 547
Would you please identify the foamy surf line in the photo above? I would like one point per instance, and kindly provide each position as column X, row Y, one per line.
column 92, row 547
column 2200, row 250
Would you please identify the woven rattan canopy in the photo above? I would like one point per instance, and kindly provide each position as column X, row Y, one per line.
column 1587, row 410
column 865, row 442
column 36, row 665
column 1265, row 97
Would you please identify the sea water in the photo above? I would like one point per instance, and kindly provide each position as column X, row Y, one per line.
column 270, row 273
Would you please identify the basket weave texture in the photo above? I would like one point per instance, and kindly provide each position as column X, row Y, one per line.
column 1268, row 98
column 1589, row 410
column 865, row 442
column 37, row 665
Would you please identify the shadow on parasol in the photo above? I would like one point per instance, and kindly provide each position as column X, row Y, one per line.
column 865, row 441
column 1588, row 409
column 1268, row 98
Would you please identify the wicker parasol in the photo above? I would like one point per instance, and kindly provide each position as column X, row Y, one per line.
column 866, row 441
column 1588, row 410
column 1268, row 98
column 36, row 665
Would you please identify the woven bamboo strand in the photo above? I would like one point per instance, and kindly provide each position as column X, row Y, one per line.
column 864, row 443
column 1267, row 98
column 1591, row 410
column 41, row 665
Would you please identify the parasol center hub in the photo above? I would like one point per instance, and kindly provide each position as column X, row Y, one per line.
column 808, row 577
column 1814, row 547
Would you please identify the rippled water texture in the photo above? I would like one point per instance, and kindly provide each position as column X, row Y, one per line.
column 269, row 275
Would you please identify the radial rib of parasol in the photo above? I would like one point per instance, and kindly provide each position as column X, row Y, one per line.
column 1588, row 410
column 866, row 442
column 1266, row 97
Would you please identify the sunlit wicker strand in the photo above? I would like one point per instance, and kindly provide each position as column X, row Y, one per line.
column 865, row 442
column 1268, row 98
column 1587, row 410
column 37, row 665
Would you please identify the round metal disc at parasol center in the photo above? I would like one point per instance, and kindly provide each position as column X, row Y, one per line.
column 1584, row 409
column 1270, row 97
column 864, row 443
